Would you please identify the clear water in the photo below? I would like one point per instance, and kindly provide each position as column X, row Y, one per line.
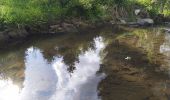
column 103, row 64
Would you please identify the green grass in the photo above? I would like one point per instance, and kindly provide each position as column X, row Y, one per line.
column 28, row 11
column 38, row 11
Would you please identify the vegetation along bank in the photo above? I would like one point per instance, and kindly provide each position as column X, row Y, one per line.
column 19, row 18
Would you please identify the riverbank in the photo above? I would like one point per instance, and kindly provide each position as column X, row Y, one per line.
column 18, row 34
column 14, row 34
column 67, row 26
column 20, row 19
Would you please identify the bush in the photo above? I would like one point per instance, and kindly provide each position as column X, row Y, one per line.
column 38, row 11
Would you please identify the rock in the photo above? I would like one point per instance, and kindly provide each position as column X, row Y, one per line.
column 128, row 58
column 145, row 21
column 123, row 21
column 167, row 30
column 2, row 36
column 13, row 33
column 112, row 22
column 64, row 27
column 164, row 48
column 159, row 19
column 69, row 27
column 118, row 21
column 141, row 13
column 54, row 26
column 137, row 11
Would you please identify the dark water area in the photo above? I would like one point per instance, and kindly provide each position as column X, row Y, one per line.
column 109, row 63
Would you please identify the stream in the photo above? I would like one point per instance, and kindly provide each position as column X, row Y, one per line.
column 109, row 63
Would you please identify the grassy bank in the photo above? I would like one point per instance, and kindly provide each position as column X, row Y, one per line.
column 38, row 11
column 32, row 12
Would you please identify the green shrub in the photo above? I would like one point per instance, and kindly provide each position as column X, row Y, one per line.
column 37, row 11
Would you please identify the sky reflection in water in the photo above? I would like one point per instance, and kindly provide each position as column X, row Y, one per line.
column 52, row 81
column 165, row 49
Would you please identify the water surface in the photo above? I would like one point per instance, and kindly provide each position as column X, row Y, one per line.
column 89, row 65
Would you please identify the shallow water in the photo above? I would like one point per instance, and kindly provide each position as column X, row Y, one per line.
column 110, row 63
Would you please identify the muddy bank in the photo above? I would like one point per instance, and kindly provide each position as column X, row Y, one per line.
column 17, row 33
column 20, row 32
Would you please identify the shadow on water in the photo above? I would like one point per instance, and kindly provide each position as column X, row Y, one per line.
column 123, row 63
column 142, row 76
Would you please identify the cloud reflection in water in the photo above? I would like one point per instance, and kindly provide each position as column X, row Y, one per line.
column 40, row 77
column 82, row 84
column 52, row 81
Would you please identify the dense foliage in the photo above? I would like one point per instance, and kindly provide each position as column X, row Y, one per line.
column 38, row 11
column 157, row 6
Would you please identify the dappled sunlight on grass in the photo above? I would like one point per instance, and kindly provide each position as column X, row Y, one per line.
column 20, row 11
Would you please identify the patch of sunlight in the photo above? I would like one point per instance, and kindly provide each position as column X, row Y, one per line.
column 4, row 10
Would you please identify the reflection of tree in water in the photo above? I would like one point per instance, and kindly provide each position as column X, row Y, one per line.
column 136, row 78
column 71, row 47
column 71, row 54
column 68, row 47
column 12, row 66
